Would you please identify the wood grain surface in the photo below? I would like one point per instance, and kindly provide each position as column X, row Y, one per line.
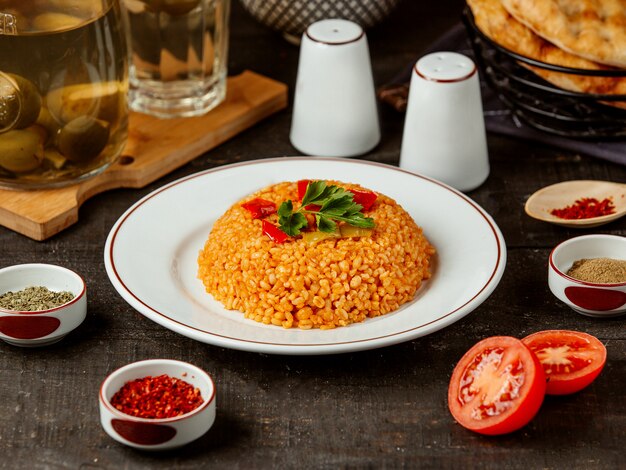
column 155, row 147
column 384, row 408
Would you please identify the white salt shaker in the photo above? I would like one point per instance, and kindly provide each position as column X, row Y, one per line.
column 444, row 130
column 334, row 111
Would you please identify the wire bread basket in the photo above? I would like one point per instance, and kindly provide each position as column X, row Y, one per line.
column 540, row 104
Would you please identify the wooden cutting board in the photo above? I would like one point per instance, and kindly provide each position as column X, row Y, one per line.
column 155, row 147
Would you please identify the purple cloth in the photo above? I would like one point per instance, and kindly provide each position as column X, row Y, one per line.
column 499, row 119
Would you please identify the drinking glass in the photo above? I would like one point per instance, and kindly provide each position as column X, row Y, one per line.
column 179, row 55
column 63, row 90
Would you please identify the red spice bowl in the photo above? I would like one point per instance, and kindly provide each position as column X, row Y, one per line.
column 47, row 326
column 154, row 391
column 578, row 203
column 595, row 299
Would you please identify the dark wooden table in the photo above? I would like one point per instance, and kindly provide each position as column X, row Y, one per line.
column 379, row 408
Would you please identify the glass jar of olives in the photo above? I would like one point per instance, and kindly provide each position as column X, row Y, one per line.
column 63, row 90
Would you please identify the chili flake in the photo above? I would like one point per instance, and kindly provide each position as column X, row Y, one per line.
column 157, row 397
column 585, row 208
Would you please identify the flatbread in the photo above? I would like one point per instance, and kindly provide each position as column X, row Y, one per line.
column 593, row 29
column 498, row 25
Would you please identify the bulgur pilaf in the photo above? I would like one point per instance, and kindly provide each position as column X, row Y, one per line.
column 332, row 283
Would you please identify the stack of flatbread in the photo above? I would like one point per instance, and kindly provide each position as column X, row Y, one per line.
column 584, row 34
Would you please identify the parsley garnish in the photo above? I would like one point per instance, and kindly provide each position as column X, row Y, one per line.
column 335, row 205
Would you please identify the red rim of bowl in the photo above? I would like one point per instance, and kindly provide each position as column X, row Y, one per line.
column 127, row 417
column 573, row 279
column 53, row 309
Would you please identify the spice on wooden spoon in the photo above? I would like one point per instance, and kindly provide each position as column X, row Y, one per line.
column 578, row 203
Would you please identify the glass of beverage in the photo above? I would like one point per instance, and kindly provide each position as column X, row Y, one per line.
column 179, row 55
column 63, row 90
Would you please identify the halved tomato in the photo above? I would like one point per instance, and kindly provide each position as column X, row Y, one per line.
column 571, row 360
column 497, row 387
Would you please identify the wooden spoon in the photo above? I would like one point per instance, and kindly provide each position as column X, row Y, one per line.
column 565, row 194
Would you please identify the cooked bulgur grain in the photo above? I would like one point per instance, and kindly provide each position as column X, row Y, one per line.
column 331, row 283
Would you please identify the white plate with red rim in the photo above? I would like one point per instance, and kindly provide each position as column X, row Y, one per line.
column 151, row 256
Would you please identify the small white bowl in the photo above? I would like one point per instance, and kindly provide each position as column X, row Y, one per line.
column 157, row 434
column 42, row 327
column 588, row 298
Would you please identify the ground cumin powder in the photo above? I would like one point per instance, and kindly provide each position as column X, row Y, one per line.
column 599, row 270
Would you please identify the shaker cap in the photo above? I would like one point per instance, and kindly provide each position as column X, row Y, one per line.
column 334, row 32
column 445, row 67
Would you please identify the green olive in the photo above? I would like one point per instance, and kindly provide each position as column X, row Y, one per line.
column 85, row 9
column 48, row 122
column 9, row 104
column 19, row 107
column 31, row 101
column 83, row 138
column 99, row 99
column 21, row 150
column 49, row 22
column 172, row 7
column 40, row 131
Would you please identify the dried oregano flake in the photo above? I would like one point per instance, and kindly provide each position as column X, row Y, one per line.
column 32, row 299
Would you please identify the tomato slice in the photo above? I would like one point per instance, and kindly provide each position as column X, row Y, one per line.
column 497, row 387
column 571, row 360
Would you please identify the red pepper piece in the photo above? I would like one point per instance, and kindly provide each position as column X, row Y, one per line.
column 302, row 185
column 364, row 198
column 273, row 232
column 259, row 208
